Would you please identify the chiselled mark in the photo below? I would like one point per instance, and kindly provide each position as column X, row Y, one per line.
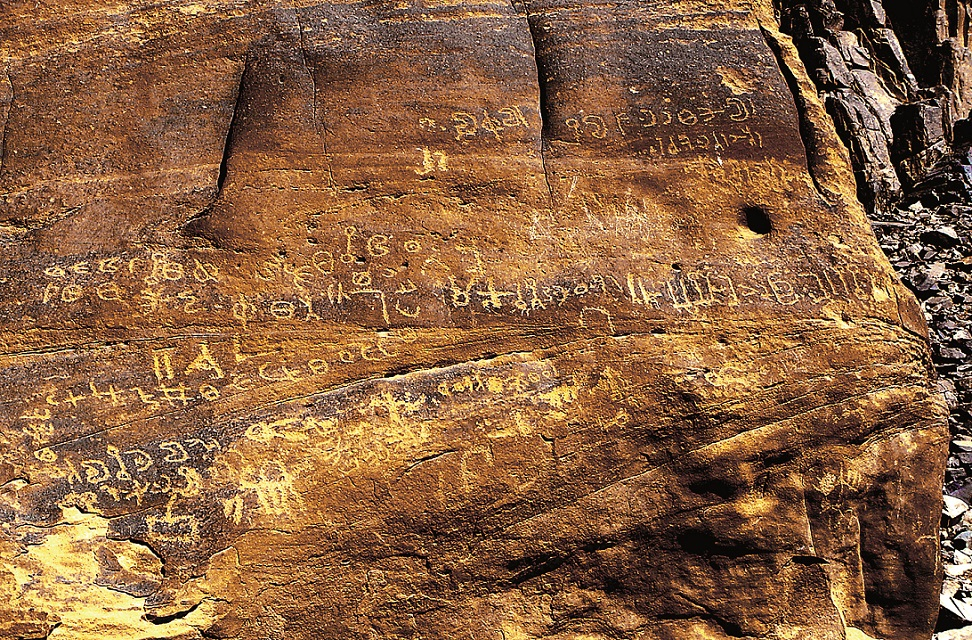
column 177, row 615
column 432, row 162
column 321, row 129
column 6, row 105
column 605, row 315
column 429, row 458
column 534, row 566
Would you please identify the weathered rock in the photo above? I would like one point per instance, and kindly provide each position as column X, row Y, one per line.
column 551, row 320
column 872, row 79
column 863, row 80
column 878, row 183
column 918, row 140
column 917, row 127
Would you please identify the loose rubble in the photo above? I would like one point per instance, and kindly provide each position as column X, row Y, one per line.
column 928, row 239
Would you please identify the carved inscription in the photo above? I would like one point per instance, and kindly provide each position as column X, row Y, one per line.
column 386, row 424
column 148, row 474
column 669, row 130
column 186, row 376
column 388, row 279
column 468, row 125
column 682, row 290
column 166, row 281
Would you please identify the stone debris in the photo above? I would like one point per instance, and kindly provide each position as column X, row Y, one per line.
column 954, row 507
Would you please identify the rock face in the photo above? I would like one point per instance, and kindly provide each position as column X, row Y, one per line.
column 436, row 319
column 896, row 77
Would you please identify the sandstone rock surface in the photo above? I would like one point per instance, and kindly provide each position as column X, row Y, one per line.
column 433, row 319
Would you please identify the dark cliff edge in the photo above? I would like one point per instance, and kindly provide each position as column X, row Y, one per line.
column 896, row 79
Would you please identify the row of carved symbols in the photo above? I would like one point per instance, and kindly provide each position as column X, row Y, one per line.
column 641, row 121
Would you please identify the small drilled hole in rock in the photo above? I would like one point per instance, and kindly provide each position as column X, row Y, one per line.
column 780, row 457
column 713, row 486
column 758, row 220
column 612, row 585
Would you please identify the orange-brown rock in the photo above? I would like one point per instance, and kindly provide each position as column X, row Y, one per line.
column 437, row 319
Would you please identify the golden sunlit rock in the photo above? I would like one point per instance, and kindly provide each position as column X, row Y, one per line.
column 444, row 319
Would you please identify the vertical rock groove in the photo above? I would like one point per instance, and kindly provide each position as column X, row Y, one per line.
column 6, row 105
column 543, row 105
column 231, row 130
column 318, row 125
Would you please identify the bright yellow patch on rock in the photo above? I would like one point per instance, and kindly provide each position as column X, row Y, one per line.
column 74, row 573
